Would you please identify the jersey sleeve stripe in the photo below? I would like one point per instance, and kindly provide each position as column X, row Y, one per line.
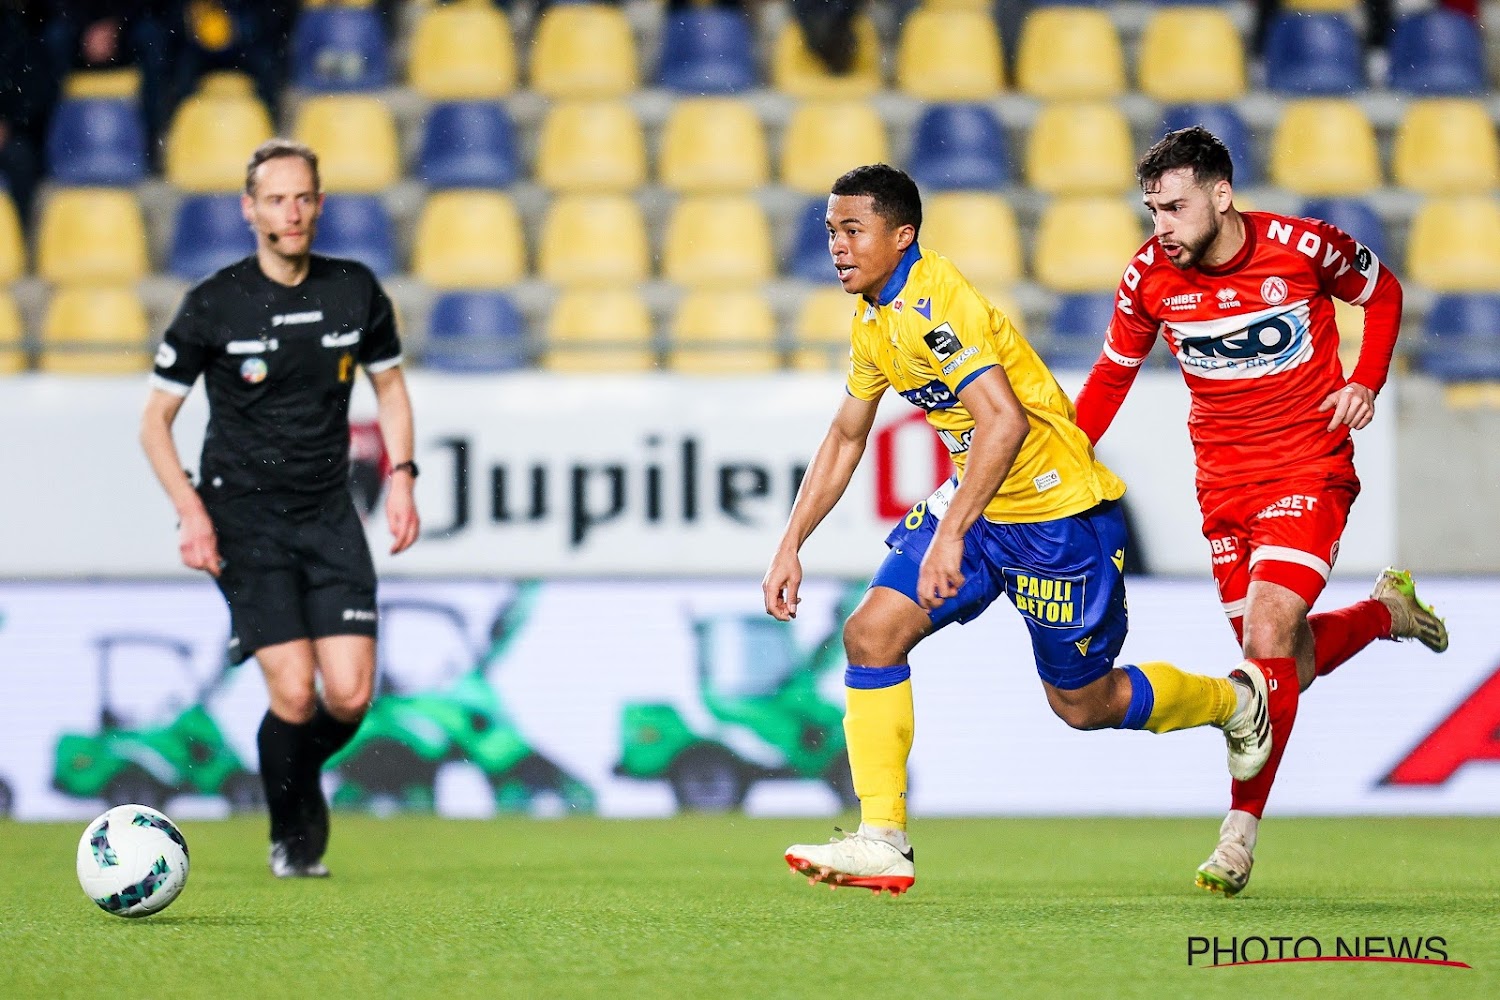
column 1122, row 359
column 1280, row 553
column 167, row 385
column 971, row 377
column 376, row 367
column 1370, row 282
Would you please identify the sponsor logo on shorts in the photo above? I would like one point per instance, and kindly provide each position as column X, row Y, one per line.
column 1226, row 550
column 1291, row 506
column 358, row 615
column 1056, row 602
column 254, row 370
column 295, row 319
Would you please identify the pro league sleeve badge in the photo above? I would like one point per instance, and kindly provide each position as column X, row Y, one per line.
column 943, row 342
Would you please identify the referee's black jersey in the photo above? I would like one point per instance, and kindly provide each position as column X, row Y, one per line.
column 278, row 363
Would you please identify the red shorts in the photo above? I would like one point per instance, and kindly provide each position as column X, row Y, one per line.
column 1285, row 533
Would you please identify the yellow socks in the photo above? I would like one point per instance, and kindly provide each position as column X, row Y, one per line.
column 878, row 723
column 1164, row 698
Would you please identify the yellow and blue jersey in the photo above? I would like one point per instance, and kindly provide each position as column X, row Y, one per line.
column 927, row 335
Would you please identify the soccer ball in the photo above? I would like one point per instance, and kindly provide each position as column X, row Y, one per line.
column 132, row 861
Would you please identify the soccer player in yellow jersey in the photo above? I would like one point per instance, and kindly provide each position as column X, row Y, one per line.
column 1031, row 515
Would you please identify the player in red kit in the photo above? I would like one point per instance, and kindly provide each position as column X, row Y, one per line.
column 1244, row 301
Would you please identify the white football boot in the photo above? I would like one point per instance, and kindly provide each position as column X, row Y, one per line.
column 858, row 860
column 1248, row 731
column 1227, row 869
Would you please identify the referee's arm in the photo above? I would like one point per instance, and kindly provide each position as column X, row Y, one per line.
column 196, row 540
column 393, row 411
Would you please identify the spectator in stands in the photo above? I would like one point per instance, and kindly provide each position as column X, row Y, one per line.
column 828, row 26
column 27, row 92
column 246, row 35
column 1378, row 22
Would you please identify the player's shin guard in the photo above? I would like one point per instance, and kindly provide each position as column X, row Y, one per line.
column 286, row 762
column 1338, row 635
column 1164, row 698
column 878, row 724
column 1281, row 675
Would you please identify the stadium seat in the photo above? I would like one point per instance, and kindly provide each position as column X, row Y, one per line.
column 949, row 55
column 1078, row 325
column 1438, row 52
column 959, row 147
column 1225, row 122
column 470, row 239
column 359, row 227
column 796, row 71
column 1355, row 217
column 718, row 240
column 1068, row 53
column 707, row 50
column 469, row 144
column 1080, row 148
column 583, row 50
column 713, row 145
column 1321, row 6
column 1083, row 244
column 12, row 339
column 226, row 83
column 977, row 231
column 355, row 138
column 807, row 256
column 210, row 233
column 591, row 147
column 474, row 332
column 122, row 84
column 94, row 330
column 1446, row 146
column 599, row 331
column 92, row 235
column 723, row 333
column 593, row 240
column 825, row 139
column 97, row 142
column 822, row 328
column 1192, row 50
column 339, row 48
column 1313, row 54
column 1454, row 244
column 1324, row 147
column 462, row 52
column 210, row 139
column 12, row 244
column 1461, row 338
column 1350, row 321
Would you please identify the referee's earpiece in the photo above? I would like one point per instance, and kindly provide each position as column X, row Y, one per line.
column 273, row 237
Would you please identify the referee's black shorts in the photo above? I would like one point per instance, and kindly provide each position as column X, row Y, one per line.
column 292, row 569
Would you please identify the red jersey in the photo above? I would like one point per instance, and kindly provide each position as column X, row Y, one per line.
column 1257, row 344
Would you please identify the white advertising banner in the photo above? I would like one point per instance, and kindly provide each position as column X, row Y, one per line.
column 540, row 475
column 629, row 699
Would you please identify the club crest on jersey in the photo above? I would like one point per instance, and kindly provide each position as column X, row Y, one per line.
column 943, row 342
column 1273, row 291
column 924, row 306
column 254, row 370
column 1228, row 298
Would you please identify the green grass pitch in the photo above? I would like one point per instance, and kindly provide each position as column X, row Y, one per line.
column 704, row 907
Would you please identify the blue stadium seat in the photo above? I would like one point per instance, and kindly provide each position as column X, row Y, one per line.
column 358, row 226
column 97, row 142
column 1225, row 122
column 468, row 144
column 1461, row 338
column 1078, row 325
column 959, row 147
column 475, row 332
column 340, row 48
column 1314, row 54
column 1437, row 52
column 707, row 51
column 1353, row 216
column 809, row 260
column 210, row 234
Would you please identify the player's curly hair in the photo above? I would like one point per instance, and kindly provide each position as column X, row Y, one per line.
column 1196, row 148
column 895, row 194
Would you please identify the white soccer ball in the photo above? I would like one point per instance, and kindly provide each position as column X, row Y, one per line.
column 132, row 861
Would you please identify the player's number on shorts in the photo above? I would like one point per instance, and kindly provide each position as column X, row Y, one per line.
column 914, row 517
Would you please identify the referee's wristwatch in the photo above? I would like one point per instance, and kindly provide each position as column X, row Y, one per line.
column 406, row 466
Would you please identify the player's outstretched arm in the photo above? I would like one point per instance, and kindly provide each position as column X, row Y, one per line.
column 393, row 411
column 197, row 542
column 825, row 482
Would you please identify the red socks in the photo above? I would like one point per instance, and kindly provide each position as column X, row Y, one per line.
column 1338, row 635
column 1281, row 677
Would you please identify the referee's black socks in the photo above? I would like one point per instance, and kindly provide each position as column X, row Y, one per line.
column 289, row 767
column 330, row 734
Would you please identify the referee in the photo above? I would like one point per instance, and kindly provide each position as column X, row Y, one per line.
column 277, row 338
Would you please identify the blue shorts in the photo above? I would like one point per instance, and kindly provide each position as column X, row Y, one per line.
column 1064, row 576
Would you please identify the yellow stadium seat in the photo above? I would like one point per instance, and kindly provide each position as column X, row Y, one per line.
column 12, row 245
column 469, row 239
column 1447, row 146
column 211, row 138
column 354, row 136
column 1351, row 323
column 949, row 55
column 723, row 333
column 1320, row 6
column 594, row 240
column 713, row 145
column 796, row 71
column 825, row 139
column 977, row 231
column 591, row 147
column 225, row 83
column 718, row 240
column 1080, row 148
column 12, row 344
column 605, row 330
column 1324, row 147
column 583, row 50
column 822, row 327
column 1192, row 52
column 94, row 330
column 108, row 84
column 1069, row 52
column 1454, row 244
column 1083, row 244
column 463, row 52
column 92, row 234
